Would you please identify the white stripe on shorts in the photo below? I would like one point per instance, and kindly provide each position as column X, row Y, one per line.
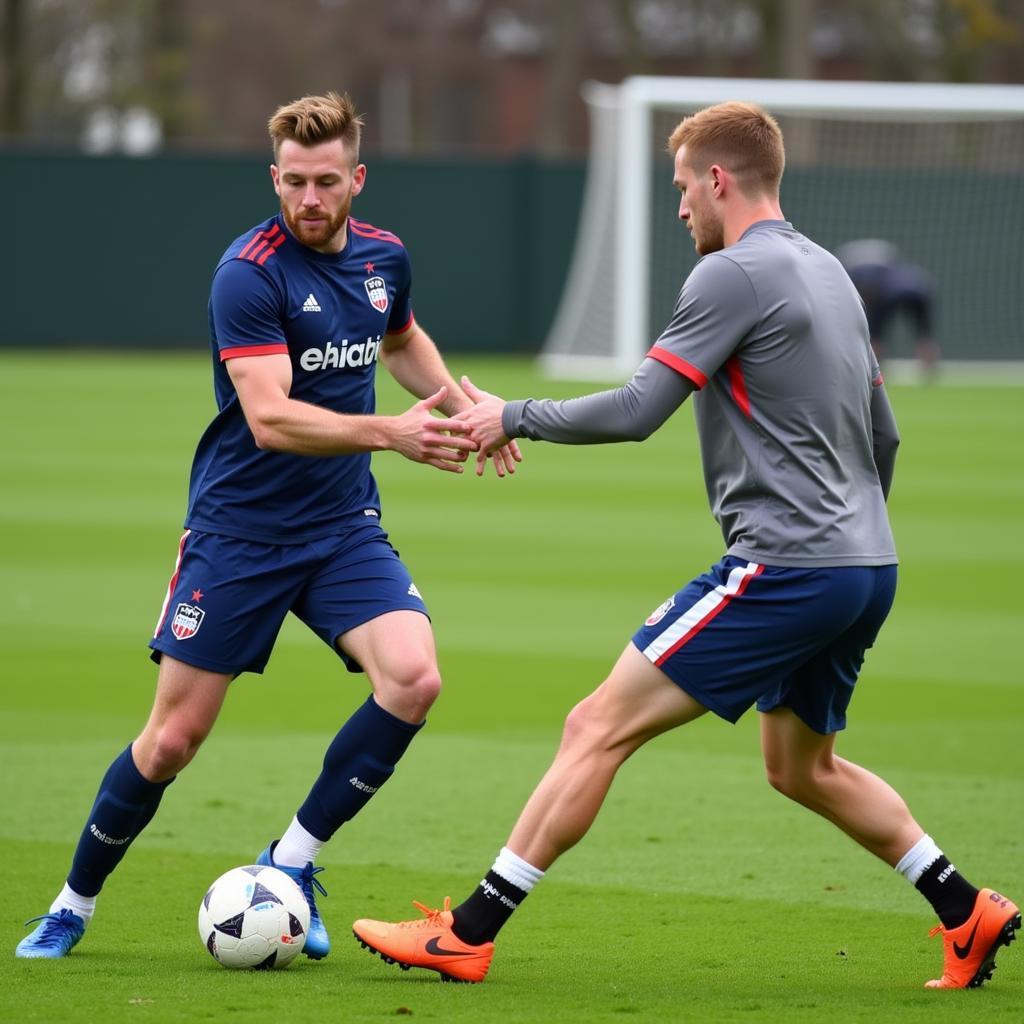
column 696, row 615
column 172, row 584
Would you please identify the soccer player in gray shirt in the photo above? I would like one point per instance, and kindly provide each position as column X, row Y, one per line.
column 798, row 443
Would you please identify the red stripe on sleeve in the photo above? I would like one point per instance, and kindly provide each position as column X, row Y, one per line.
column 679, row 365
column 259, row 238
column 253, row 350
column 262, row 241
column 369, row 231
column 738, row 385
column 251, row 256
column 402, row 330
column 270, row 250
column 256, row 239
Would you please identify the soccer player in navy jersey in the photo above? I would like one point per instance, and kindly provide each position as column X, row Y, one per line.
column 283, row 512
column 798, row 445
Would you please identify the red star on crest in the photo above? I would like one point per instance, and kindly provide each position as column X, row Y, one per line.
column 197, row 595
column 369, row 267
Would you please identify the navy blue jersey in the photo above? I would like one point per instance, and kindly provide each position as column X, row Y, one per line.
column 329, row 313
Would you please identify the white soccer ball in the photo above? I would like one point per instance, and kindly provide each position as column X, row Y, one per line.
column 254, row 917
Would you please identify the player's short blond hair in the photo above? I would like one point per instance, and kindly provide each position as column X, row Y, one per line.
column 742, row 137
column 315, row 119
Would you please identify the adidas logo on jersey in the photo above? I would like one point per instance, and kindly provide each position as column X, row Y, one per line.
column 414, row 591
column 311, row 305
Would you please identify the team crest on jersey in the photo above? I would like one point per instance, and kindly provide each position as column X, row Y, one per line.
column 187, row 620
column 377, row 292
column 660, row 612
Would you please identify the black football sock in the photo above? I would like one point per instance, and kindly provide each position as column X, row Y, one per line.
column 484, row 914
column 949, row 893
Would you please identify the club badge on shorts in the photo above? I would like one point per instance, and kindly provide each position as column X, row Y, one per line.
column 660, row 612
column 377, row 292
column 187, row 620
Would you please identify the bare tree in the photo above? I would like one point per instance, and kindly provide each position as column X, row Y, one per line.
column 972, row 30
column 15, row 77
column 441, row 74
column 634, row 61
column 796, row 59
column 562, row 75
column 785, row 50
column 164, row 67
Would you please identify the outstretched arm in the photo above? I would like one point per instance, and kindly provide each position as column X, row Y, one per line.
column 413, row 360
column 281, row 423
column 629, row 413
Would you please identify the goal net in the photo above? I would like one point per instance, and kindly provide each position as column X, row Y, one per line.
column 933, row 170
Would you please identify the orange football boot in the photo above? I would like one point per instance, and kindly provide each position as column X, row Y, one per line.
column 428, row 942
column 970, row 949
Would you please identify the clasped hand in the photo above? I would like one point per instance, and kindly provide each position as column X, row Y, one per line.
column 482, row 423
column 445, row 443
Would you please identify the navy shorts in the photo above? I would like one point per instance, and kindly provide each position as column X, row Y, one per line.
column 744, row 632
column 228, row 597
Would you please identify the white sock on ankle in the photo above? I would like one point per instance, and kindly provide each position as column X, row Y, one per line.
column 519, row 872
column 916, row 861
column 297, row 847
column 83, row 906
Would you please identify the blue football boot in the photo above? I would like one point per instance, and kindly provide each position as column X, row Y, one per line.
column 318, row 943
column 56, row 936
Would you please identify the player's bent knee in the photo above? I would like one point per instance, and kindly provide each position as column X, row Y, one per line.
column 425, row 686
column 587, row 729
column 783, row 779
column 169, row 751
column 799, row 786
column 411, row 693
column 778, row 780
column 577, row 724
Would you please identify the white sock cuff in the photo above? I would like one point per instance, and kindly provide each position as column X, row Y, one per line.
column 514, row 869
column 921, row 856
column 83, row 906
column 297, row 847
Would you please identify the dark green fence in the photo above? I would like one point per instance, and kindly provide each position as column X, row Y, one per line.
column 116, row 251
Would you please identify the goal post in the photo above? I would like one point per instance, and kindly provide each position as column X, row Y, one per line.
column 936, row 169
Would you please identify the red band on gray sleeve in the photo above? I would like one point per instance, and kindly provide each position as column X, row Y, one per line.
column 688, row 370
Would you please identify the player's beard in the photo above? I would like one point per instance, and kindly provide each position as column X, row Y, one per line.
column 708, row 234
column 318, row 235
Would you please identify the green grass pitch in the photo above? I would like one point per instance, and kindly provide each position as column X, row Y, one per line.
column 700, row 895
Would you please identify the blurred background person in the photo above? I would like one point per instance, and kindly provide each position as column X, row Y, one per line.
column 893, row 290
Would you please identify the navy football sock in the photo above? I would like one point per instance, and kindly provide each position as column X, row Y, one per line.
column 125, row 805
column 358, row 762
